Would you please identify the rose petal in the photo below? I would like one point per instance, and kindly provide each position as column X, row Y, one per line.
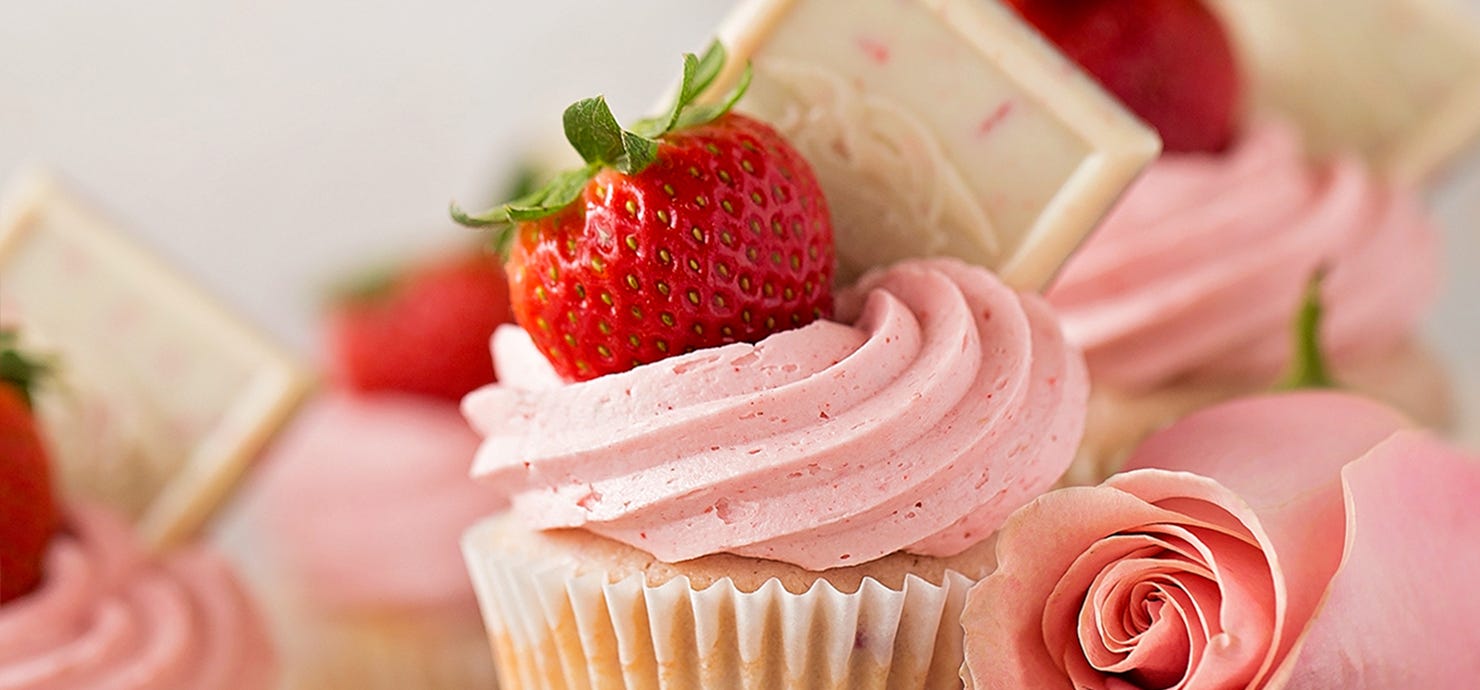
column 1005, row 613
column 1402, row 611
column 1281, row 455
column 1021, row 620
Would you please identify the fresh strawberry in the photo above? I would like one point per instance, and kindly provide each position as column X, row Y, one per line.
column 698, row 229
column 424, row 330
column 28, row 511
column 1170, row 61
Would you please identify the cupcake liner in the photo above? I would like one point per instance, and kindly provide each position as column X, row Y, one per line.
column 555, row 627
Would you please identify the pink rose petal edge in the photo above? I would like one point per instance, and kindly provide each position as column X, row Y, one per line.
column 1291, row 471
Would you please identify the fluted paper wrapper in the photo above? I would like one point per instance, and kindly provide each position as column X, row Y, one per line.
column 553, row 627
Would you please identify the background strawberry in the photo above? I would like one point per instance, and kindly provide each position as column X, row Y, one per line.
column 1169, row 61
column 422, row 330
column 28, row 512
column 698, row 229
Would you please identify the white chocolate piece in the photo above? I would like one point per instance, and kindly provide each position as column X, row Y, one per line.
column 163, row 396
column 1395, row 80
column 938, row 127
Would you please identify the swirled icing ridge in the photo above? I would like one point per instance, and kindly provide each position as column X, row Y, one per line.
column 949, row 402
column 1199, row 272
column 108, row 616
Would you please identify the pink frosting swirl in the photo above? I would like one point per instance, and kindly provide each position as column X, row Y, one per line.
column 949, row 402
column 356, row 475
column 109, row 616
column 1200, row 270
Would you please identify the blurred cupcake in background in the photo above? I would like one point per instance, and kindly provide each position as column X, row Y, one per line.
column 1186, row 293
column 84, row 604
column 360, row 509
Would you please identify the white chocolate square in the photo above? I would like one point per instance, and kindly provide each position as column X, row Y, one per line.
column 162, row 397
column 938, row 127
column 1395, row 80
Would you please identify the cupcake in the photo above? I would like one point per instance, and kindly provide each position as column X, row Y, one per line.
column 1187, row 293
column 84, row 604
column 354, row 525
column 720, row 471
column 109, row 614
column 808, row 507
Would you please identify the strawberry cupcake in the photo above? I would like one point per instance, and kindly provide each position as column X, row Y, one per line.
column 718, row 472
column 1187, row 292
column 358, row 520
column 830, row 488
column 355, row 524
column 84, row 605
column 108, row 614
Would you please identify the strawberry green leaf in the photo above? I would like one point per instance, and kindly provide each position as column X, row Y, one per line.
column 638, row 152
column 367, row 286
column 703, row 114
column 1308, row 366
column 17, row 369
column 546, row 201
column 552, row 197
column 687, row 90
column 698, row 75
column 527, row 178
column 593, row 130
column 709, row 68
column 601, row 141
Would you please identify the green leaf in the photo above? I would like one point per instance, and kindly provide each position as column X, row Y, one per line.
column 709, row 68
column 19, row 370
column 546, row 201
column 703, row 114
column 366, row 286
column 1308, row 366
column 698, row 75
column 524, row 181
column 687, row 90
column 593, row 130
column 638, row 152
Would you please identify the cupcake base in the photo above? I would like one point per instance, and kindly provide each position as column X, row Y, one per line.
column 567, row 609
column 1408, row 377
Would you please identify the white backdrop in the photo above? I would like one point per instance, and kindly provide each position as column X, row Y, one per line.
column 263, row 145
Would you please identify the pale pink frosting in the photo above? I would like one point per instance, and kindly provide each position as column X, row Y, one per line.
column 1201, row 269
column 110, row 616
column 366, row 498
column 949, row 402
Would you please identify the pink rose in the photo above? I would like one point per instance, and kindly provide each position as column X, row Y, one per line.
column 1299, row 541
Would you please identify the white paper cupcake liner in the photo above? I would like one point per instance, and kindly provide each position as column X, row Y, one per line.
column 555, row 628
